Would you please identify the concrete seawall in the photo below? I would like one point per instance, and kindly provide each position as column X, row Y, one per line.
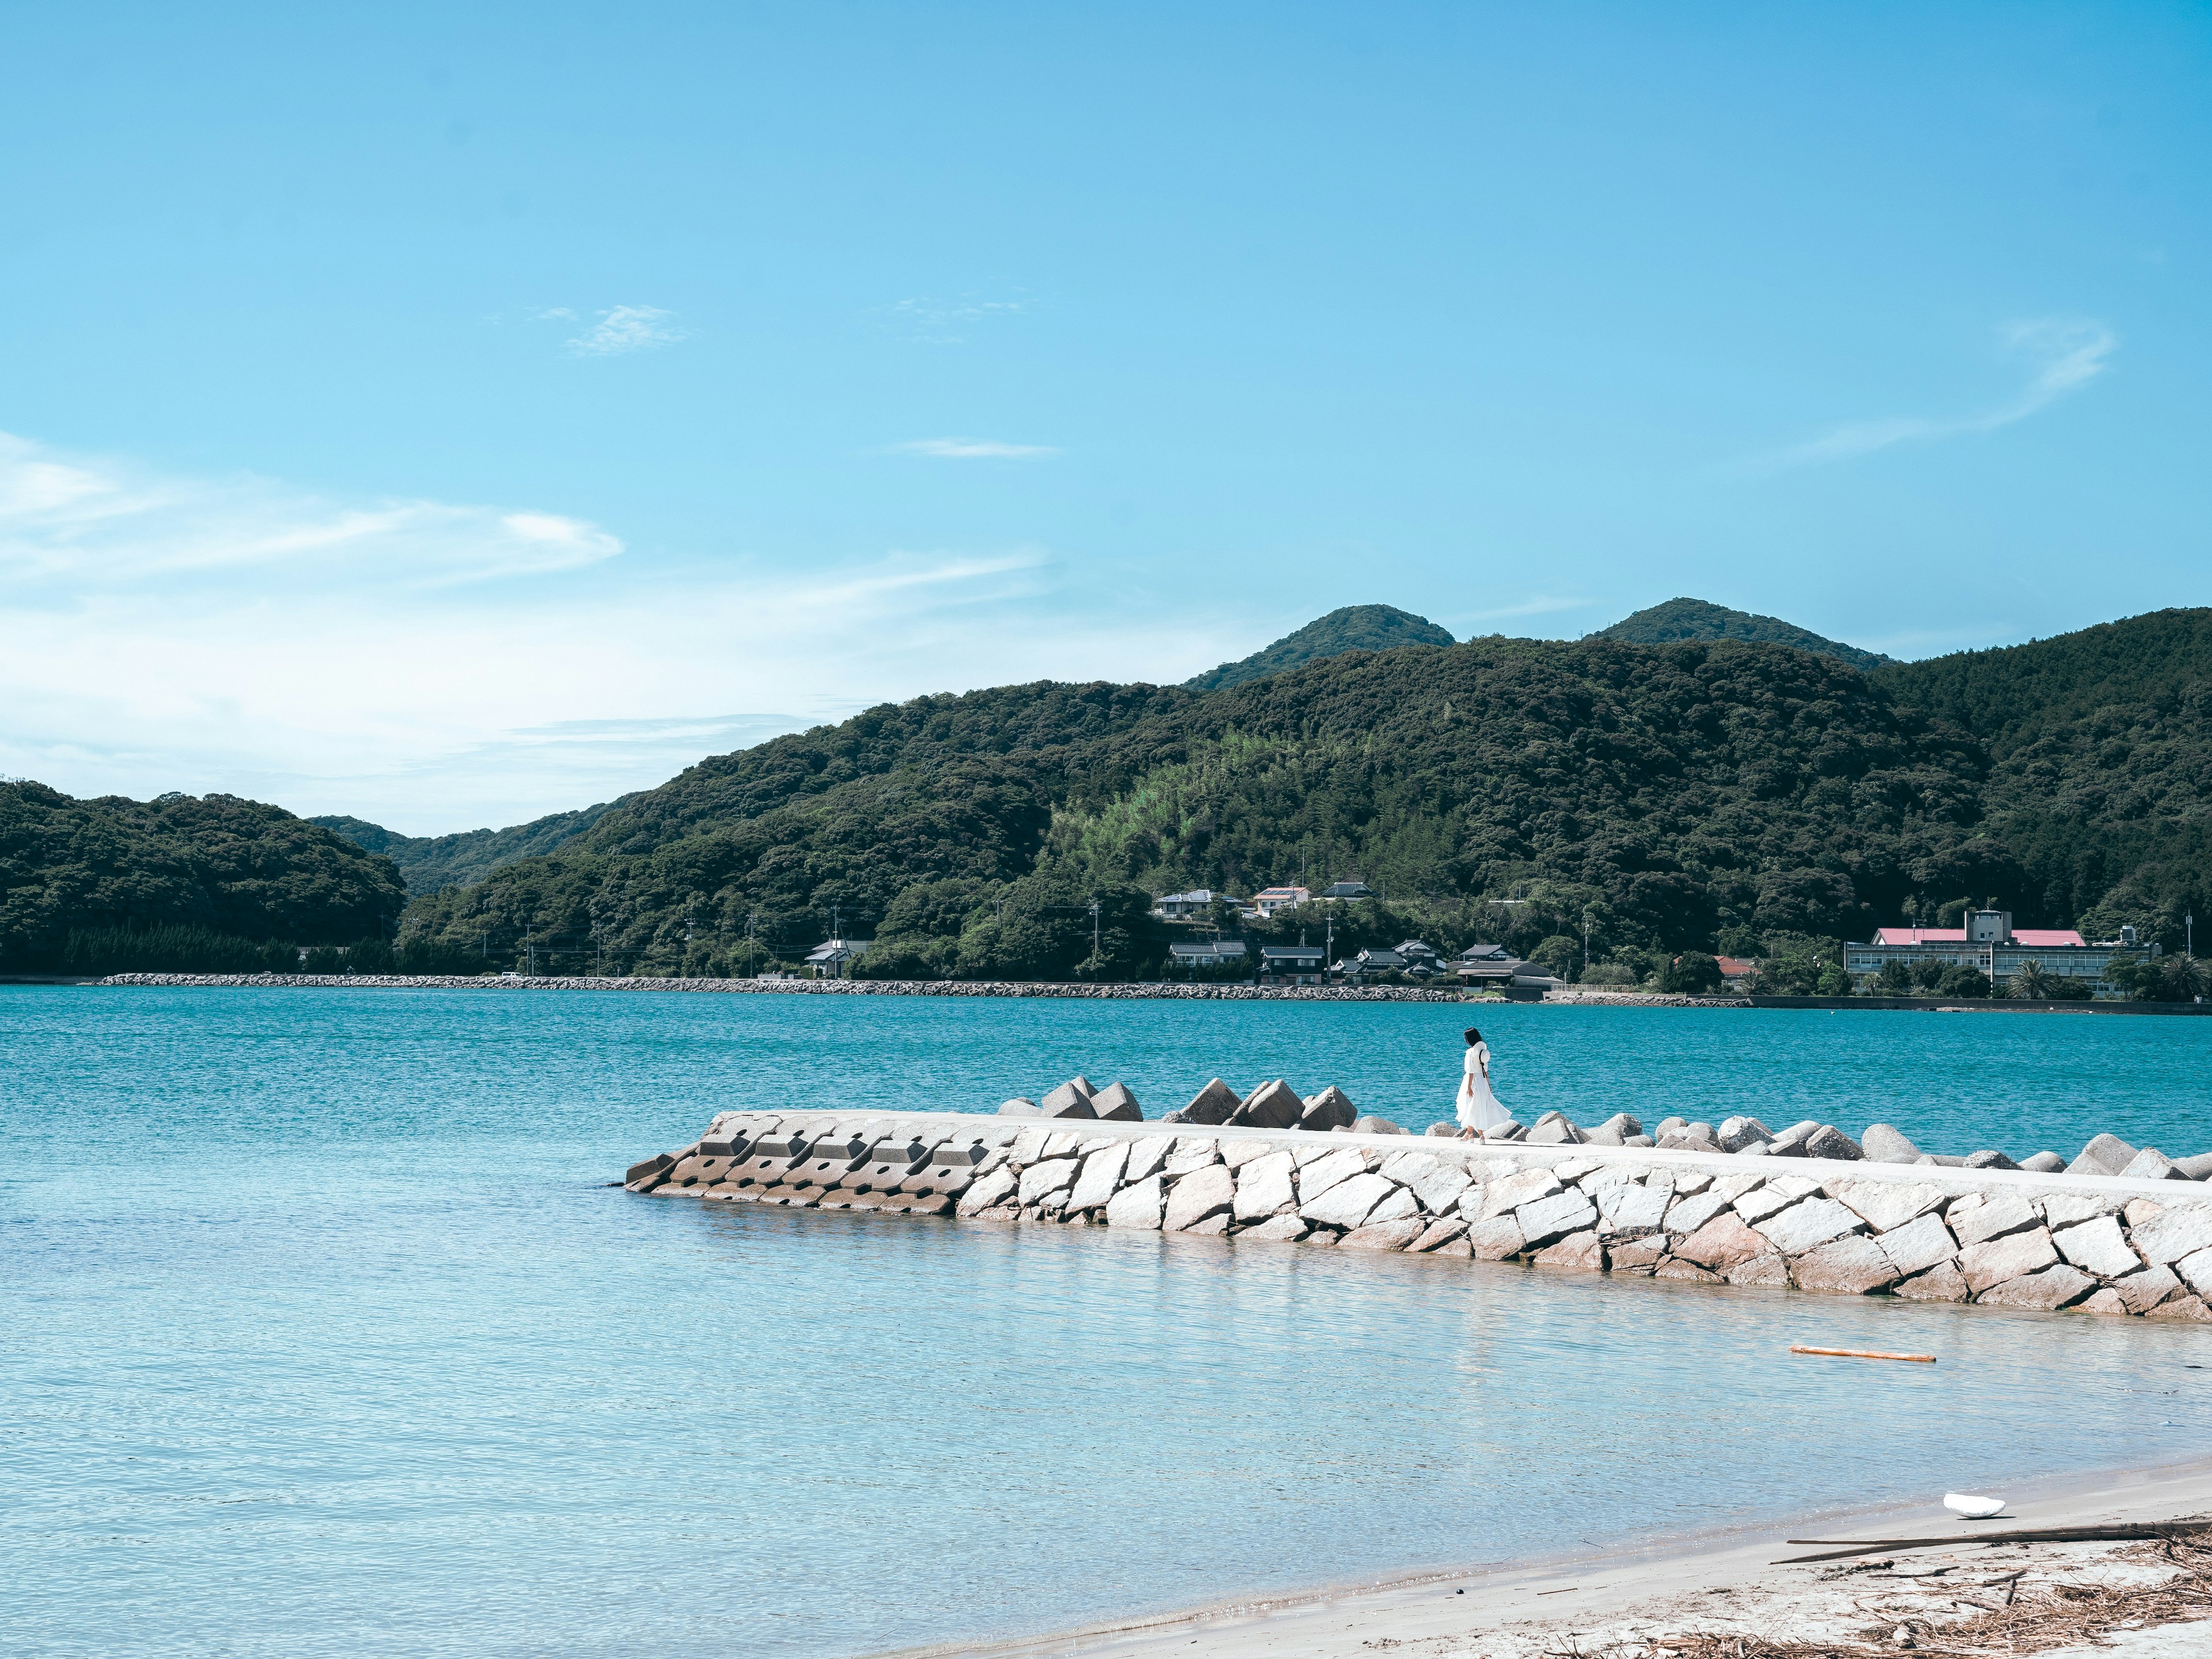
column 2001, row 1237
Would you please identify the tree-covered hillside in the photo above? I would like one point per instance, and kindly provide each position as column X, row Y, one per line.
column 2100, row 780
column 1354, row 627
column 1665, row 793
column 1679, row 620
column 425, row 863
column 214, row 877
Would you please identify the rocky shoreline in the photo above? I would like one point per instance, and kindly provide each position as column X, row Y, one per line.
column 864, row 987
column 2118, row 1231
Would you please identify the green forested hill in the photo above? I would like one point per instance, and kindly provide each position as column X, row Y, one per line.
column 1685, row 795
column 1354, row 627
column 425, row 863
column 217, row 877
column 1700, row 619
column 2100, row 745
column 1668, row 793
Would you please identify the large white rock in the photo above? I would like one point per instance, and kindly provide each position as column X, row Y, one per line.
column 1283, row 1229
column 1993, row 1217
column 990, row 1191
column 2104, row 1155
column 1514, row 1190
column 1263, row 1186
column 1634, row 1208
column 1919, row 1244
column 1237, row 1153
column 1883, row 1144
column 1347, row 1203
column 2065, row 1209
column 1398, row 1207
column 1146, row 1156
column 2196, row 1272
column 2099, row 1246
column 2053, row 1288
column 1207, row 1191
column 1883, row 1205
column 1041, row 1181
column 1689, row 1214
column 1754, row 1207
column 1546, row 1219
column 2144, row 1291
column 1101, row 1177
column 1136, row 1206
column 1848, row 1267
column 1191, row 1152
column 1407, row 1169
column 1495, row 1239
column 1324, row 1173
column 1807, row 1224
column 2168, row 1237
column 1441, row 1189
column 2013, row 1256
column 1738, row 1132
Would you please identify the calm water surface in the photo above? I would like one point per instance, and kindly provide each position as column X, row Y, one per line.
column 320, row 1336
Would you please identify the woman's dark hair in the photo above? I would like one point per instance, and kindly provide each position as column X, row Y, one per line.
column 1474, row 1036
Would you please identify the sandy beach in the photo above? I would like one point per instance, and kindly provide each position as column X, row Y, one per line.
column 1723, row 1593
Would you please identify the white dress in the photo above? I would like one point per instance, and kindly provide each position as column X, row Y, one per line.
column 1478, row 1107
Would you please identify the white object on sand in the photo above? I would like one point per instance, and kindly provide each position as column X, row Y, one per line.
column 1965, row 1505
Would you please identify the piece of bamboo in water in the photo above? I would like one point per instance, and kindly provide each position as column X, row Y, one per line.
column 1864, row 1353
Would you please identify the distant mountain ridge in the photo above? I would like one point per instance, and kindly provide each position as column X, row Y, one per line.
column 1684, row 619
column 1353, row 628
column 428, row 863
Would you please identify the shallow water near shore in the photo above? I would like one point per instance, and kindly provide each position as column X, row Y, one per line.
column 322, row 1339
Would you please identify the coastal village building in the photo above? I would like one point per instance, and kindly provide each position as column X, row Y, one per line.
column 834, row 958
column 1352, row 888
column 1487, row 964
column 1206, row 952
column 1990, row 942
column 1300, row 964
column 1268, row 899
column 1198, row 901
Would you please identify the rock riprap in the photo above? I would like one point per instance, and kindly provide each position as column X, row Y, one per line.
column 2127, row 1243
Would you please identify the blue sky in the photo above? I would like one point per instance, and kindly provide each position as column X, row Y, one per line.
column 453, row 418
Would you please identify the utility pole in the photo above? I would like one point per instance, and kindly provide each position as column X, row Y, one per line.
column 1328, row 948
column 1094, row 941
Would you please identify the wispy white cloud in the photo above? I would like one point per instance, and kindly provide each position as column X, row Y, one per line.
column 2063, row 354
column 1539, row 605
column 973, row 449
column 240, row 634
column 74, row 523
column 626, row 328
column 944, row 322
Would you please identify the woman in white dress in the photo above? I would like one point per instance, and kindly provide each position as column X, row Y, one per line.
column 1479, row 1110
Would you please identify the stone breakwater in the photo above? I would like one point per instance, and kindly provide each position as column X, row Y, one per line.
column 850, row 987
column 2014, row 1238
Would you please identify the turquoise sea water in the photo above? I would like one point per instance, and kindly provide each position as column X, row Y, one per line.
column 321, row 1335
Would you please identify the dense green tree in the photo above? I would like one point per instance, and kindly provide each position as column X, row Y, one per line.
column 220, row 866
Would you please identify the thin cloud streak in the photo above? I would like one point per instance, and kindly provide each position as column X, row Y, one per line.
column 2065, row 354
column 626, row 328
column 973, row 449
column 175, row 633
column 88, row 522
